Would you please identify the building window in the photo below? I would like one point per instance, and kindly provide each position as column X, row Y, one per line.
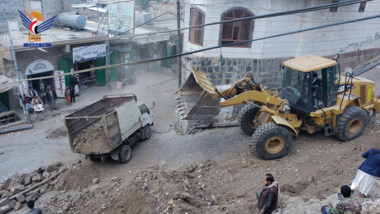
column 362, row 6
column 233, row 32
column 195, row 34
column 334, row 9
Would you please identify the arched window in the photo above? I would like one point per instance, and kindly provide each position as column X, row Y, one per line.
column 195, row 34
column 233, row 32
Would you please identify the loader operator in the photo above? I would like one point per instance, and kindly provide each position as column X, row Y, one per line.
column 241, row 86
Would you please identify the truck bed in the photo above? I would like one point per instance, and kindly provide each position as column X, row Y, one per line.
column 95, row 129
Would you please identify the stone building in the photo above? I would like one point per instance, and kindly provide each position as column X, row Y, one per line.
column 356, row 42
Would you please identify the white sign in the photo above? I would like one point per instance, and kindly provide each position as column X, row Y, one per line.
column 14, row 29
column 59, row 83
column 121, row 16
column 82, row 54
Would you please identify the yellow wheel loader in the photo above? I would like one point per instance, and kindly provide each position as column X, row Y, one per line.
column 314, row 96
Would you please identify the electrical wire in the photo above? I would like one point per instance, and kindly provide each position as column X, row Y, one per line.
column 27, row 64
column 310, row 9
column 205, row 49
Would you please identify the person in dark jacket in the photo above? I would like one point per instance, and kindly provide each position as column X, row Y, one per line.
column 268, row 196
column 51, row 97
column 367, row 173
column 72, row 94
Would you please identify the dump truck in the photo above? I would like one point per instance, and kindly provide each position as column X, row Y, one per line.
column 315, row 95
column 109, row 127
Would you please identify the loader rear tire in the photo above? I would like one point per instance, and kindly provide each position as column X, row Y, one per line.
column 125, row 153
column 272, row 141
column 351, row 123
column 245, row 118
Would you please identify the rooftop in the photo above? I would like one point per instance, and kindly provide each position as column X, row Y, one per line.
column 309, row 63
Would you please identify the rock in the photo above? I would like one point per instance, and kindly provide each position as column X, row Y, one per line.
column 5, row 209
column 20, row 198
column 2, row 192
column 37, row 178
column 67, row 206
column 94, row 188
column 26, row 180
column 43, row 190
column 17, row 206
column 17, row 189
column 17, row 177
column 12, row 204
column 41, row 169
column 52, row 168
column 60, row 185
column 114, row 179
column 241, row 194
column 79, row 161
column 12, row 184
column 162, row 164
column 4, row 201
column 139, row 178
column 171, row 202
column 184, row 196
column 56, row 163
column 215, row 198
column 31, row 197
column 45, row 175
column 95, row 180
column 7, row 195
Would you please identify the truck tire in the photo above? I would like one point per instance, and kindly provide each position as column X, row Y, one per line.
column 351, row 123
column 272, row 141
column 125, row 153
column 147, row 132
column 245, row 118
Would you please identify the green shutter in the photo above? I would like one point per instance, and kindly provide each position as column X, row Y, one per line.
column 65, row 65
column 100, row 74
column 169, row 52
column 114, row 71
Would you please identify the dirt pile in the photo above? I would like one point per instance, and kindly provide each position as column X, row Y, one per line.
column 91, row 139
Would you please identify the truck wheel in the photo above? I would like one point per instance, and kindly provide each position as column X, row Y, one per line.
column 125, row 153
column 272, row 141
column 245, row 118
column 147, row 132
column 351, row 123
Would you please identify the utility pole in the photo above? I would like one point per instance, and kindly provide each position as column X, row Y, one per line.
column 179, row 42
column 15, row 61
column 108, row 55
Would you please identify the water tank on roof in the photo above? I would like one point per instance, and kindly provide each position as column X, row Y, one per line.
column 72, row 20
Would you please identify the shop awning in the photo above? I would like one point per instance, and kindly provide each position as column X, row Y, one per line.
column 6, row 83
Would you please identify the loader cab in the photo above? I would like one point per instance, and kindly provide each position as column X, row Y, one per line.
column 309, row 84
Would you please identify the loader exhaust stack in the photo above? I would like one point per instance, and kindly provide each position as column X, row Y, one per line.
column 197, row 98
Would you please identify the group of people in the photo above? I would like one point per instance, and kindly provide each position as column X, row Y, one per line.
column 364, row 181
column 36, row 101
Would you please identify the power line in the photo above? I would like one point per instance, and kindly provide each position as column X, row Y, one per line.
column 205, row 49
column 83, row 47
column 310, row 9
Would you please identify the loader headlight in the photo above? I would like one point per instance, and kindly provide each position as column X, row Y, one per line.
column 285, row 109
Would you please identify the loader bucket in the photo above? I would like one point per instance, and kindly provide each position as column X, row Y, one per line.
column 197, row 98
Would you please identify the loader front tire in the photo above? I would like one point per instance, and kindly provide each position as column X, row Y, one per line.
column 246, row 116
column 125, row 153
column 351, row 123
column 272, row 141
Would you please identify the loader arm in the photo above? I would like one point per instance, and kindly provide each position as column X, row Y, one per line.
column 254, row 96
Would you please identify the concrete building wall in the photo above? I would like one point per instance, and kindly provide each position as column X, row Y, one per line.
column 159, row 9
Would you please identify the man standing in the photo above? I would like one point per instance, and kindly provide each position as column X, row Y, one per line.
column 32, row 209
column 72, row 94
column 346, row 205
column 268, row 196
column 367, row 173
column 74, row 82
column 51, row 97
